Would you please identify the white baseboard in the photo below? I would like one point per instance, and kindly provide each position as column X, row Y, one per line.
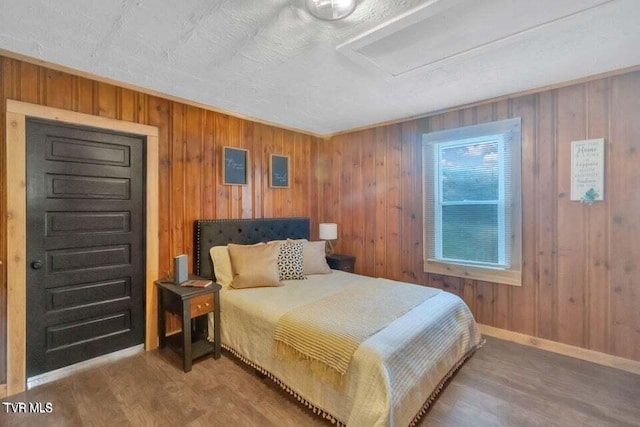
column 604, row 359
column 50, row 376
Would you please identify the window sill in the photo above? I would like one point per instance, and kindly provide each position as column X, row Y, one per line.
column 506, row 277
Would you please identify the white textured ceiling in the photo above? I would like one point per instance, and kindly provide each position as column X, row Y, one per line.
column 271, row 60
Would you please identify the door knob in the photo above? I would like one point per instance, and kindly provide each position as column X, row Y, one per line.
column 36, row 265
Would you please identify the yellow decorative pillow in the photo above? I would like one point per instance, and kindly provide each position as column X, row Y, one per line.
column 221, row 265
column 254, row 266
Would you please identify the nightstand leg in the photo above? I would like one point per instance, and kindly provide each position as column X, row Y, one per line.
column 216, row 328
column 186, row 336
column 161, row 328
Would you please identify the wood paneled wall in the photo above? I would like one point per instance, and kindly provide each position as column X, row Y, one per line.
column 581, row 264
column 581, row 272
column 190, row 165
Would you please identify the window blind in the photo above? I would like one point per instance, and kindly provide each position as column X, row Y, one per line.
column 471, row 186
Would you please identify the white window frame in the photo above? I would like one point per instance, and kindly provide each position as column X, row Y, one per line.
column 499, row 202
column 504, row 132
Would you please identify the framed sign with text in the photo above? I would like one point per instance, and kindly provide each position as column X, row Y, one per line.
column 279, row 171
column 587, row 170
column 234, row 166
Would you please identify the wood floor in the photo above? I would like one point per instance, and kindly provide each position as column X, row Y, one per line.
column 503, row 384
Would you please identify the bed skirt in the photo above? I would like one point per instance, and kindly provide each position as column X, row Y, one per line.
column 327, row 415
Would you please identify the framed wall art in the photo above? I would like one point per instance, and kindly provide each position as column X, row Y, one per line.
column 587, row 170
column 234, row 166
column 279, row 171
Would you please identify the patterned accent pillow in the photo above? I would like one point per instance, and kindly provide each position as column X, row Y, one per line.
column 290, row 262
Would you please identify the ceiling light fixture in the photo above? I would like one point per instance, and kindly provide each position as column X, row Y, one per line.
column 331, row 10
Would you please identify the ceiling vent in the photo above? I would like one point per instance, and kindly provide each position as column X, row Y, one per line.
column 443, row 30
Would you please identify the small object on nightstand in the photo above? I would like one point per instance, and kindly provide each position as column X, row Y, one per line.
column 342, row 262
column 199, row 283
column 190, row 302
column 180, row 269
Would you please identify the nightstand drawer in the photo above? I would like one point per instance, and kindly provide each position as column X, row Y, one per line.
column 201, row 305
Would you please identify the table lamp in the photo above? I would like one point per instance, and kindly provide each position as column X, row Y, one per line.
column 329, row 232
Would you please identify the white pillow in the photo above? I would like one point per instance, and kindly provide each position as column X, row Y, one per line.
column 222, row 265
column 314, row 257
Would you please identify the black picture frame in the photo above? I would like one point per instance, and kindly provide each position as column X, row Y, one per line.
column 234, row 166
column 278, row 171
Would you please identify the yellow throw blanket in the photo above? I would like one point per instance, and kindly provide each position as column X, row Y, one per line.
column 327, row 332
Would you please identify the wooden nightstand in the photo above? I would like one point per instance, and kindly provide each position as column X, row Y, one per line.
column 342, row 262
column 189, row 303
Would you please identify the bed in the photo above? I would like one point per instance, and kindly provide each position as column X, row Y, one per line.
column 393, row 376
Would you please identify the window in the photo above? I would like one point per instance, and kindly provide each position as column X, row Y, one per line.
column 472, row 201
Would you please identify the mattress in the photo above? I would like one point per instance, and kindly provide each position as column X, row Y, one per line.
column 394, row 374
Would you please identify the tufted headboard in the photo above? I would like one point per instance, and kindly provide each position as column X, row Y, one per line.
column 220, row 232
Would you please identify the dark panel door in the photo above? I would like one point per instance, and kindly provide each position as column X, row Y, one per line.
column 85, row 244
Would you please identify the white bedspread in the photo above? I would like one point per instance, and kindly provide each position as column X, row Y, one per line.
column 391, row 374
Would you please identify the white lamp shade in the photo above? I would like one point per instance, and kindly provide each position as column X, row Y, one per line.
column 328, row 231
